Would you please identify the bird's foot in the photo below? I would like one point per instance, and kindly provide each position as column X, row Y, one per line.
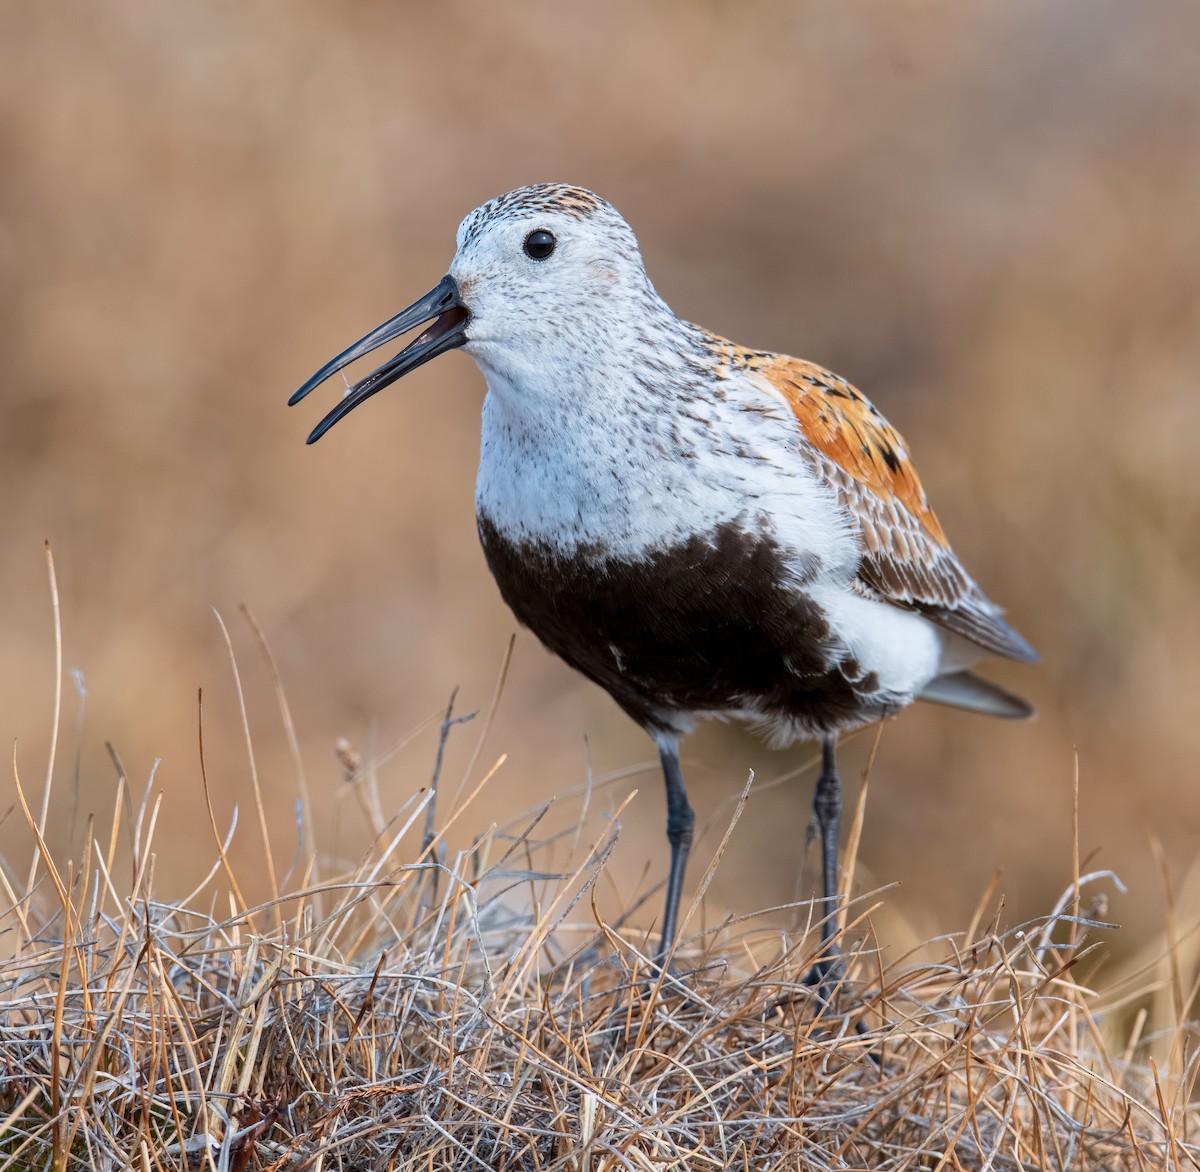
column 828, row 977
column 663, row 974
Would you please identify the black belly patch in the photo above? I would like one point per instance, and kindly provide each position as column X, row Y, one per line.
column 713, row 623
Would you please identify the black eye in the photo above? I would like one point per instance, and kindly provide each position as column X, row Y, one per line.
column 539, row 244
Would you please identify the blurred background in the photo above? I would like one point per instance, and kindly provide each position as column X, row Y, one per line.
column 983, row 214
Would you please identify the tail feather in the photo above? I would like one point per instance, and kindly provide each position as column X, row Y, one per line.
column 964, row 689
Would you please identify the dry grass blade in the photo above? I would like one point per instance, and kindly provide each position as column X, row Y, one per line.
column 54, row 724
column 489, row 1026
column 161, row 1035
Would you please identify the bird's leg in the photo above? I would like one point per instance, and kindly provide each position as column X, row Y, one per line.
column 681, row 821
column 827, row 805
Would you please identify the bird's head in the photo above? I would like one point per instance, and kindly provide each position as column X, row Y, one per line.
column 540, row 274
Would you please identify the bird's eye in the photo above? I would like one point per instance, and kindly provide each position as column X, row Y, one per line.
column 539, row 244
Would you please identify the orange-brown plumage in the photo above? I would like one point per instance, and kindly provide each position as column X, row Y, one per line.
column 844, row 425
column 841, row 423
column 906, row 557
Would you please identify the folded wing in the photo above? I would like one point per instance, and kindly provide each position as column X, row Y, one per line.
column 906, row 558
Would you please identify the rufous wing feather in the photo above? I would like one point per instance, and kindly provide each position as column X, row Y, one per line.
column 906, row 558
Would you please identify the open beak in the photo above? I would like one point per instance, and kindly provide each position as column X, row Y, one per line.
column 449, row 330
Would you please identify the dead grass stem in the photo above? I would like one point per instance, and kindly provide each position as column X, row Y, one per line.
column 427, row 1009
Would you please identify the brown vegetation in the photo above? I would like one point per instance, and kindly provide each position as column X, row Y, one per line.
column 982, row 214
column 420, row 1008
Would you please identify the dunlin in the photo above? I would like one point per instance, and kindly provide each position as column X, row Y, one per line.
column 700, row 528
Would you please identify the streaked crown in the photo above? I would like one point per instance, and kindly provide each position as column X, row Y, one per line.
column 532, row 201
column 551, row 273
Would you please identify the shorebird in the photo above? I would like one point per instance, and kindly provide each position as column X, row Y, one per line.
column 700, row 528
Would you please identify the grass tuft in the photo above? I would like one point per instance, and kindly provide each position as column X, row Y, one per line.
column 422, row 1009
column 380, row 1019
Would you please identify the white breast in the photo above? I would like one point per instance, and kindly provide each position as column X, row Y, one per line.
column 630, row 471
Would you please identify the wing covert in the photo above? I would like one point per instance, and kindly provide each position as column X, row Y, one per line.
column 906, row 558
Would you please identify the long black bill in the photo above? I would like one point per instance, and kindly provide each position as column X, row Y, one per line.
column 443, row 302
